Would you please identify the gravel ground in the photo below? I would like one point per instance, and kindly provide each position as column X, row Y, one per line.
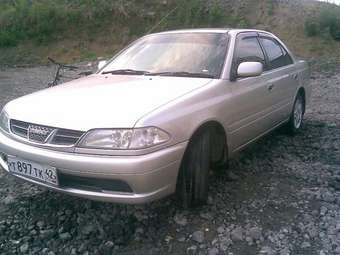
column 282, row 197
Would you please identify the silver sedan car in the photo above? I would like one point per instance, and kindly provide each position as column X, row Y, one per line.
column 157, row 117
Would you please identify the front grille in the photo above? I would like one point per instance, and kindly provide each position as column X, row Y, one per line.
column 39, row 134
column 44, row 134
column 66, row 137
column 20, row 128
column 92, row 184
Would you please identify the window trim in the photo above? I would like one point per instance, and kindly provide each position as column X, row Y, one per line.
column 220, row 77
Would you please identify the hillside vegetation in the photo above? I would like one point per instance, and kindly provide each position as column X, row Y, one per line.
column 31, row 30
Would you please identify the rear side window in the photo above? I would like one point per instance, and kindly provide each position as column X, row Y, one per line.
column 277, row 55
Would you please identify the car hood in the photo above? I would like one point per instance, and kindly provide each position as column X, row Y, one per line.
column 100, row 101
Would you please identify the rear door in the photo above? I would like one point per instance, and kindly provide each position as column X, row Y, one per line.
column 251, row 98
column 282, row 76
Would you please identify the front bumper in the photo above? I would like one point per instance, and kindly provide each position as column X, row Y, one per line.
column 150, row 176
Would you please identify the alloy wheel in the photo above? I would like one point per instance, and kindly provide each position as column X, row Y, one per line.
column 298, row 113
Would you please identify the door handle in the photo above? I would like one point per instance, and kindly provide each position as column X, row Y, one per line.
column 295, row 76
column 270, row 87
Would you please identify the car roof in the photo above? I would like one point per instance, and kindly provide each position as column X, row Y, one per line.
column 211, row 30
column 197, row 30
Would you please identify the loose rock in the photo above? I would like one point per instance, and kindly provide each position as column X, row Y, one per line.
column 198, row 236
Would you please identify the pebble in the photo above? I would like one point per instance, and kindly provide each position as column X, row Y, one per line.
column 237, row 234
column 323, row 211
column 65, row 236
column 213, row 251
column 328, row 197
column 24, row 248
column 181, row 220
column 198, row 236
column 305, row 245
column 338, row 200
column 255, row 233
column 109, row 244
column 181, row 239
column 8, row 199
column 192, row 250
column 88, row 229
column 266, row 250
column 206, row 216
column 220, row 230
column 337, row 250
column 46, row 234
column 285, row 251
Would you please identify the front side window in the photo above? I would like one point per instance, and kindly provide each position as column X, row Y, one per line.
column 277, row 55
column 175, row 54
column 247, row 49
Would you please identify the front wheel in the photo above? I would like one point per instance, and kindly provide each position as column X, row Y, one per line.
column 192, row 184
column 295, row 121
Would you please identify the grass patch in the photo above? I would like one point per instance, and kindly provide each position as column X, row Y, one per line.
column 73, row 30
column 42, row 21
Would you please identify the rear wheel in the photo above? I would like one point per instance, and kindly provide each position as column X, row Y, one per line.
column 296, row 117
column 192, row 185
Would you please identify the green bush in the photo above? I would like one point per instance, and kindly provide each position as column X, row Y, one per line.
column 312, row 28
column 42, row 20
column 328, row 22
column 22, row 19
column 327, row 16
column 335, row 29
column 7, row 39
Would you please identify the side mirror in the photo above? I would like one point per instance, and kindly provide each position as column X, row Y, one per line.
column 101, row 64
column 249, row 69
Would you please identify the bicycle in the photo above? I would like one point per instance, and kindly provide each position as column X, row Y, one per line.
column 61, row 68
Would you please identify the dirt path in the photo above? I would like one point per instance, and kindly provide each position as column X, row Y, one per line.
column 285, row 199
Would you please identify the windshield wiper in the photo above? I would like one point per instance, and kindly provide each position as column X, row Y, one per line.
column 126, row 71
column 183, row 74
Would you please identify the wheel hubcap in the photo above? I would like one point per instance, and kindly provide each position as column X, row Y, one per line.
column 298, row 113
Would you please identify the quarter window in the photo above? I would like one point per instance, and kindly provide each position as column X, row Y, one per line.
column 277, row 55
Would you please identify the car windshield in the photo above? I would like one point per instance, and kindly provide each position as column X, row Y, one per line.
column 173, row 54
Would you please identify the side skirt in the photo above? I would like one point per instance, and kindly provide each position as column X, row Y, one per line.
column 257, row 138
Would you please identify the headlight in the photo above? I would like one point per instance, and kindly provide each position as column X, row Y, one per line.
column 124, row 139
column 4, row 121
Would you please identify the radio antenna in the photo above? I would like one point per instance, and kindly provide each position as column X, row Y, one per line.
column 162, row 20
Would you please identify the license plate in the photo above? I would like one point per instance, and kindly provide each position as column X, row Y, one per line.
column 32, row 170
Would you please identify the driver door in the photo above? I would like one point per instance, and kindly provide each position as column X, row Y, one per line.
column 250, row 96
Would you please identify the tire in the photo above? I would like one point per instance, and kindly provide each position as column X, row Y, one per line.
column 296, row 117
column 192, row 184
column 221, row 166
